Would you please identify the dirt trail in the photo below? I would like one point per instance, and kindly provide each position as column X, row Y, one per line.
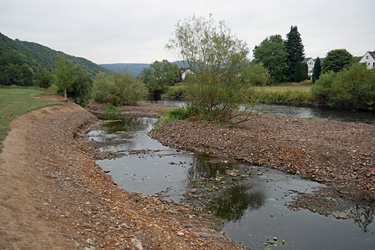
column 53, row 196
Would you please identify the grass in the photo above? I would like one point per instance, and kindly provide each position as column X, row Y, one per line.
column 15, row 102
column 304, row 87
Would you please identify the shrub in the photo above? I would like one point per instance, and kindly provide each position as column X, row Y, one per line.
column 118, row 89
column 352, row 88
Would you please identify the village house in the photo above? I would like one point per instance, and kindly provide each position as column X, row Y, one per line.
column 369, row 59
column 310, row 65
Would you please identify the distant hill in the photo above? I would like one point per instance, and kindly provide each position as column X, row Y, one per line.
column 134, row 68
column 34, row 55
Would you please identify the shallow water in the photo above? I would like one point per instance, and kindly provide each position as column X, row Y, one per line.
column 254, row 209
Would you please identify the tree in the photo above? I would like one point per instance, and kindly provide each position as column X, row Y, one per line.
column 43, row 78
column 118, row 89
column 295, row 50
column 159, row 76
column 218, row 63
column 337, row 60
column 81, row 88
column 258, row 74
column 316, row 70
column 64, row 75
column 271, row 52
column 298, row 73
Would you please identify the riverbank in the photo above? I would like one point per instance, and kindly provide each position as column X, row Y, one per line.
column 53, row 196
column 337, row 153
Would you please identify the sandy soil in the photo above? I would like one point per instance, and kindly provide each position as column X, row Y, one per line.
column 53, row 196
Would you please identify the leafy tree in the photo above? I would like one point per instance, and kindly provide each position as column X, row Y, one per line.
column 316, row 70
column 27, row 75
column 295, row 50
column 43, row 78
column 13, row 75
column 81, row 88
column 259, row 75
column 350, row 88
column 159, row 76
column 337, row 60
column 118, row 89
column 271, row 52
column 218, row 63
column 64, row 75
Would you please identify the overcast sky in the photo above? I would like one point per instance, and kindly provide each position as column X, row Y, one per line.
column 136, row 31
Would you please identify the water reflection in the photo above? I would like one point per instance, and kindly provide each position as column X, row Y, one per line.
column 363, row 216
column 233, row 202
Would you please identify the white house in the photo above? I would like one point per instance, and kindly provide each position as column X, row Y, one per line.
column 369, row 59
column 310, row 65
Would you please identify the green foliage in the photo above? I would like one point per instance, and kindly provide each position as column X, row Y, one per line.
column 64, row 74
column 159, row 76
column 43, row 78
column 218, row 62
column 271, row 52
column 259, row 75
column 112, row 112
column 180, row 113
column 337, row 60
column 118, row 89
column 15, row 102
column 295, row 50
column 298, row 74
column 317, row 69
column 352, row 88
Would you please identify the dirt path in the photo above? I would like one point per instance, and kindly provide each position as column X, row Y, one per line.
column 53, row 196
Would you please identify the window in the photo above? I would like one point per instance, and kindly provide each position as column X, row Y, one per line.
column 366, row 57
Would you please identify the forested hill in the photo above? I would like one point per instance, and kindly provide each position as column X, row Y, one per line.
column 34, row 55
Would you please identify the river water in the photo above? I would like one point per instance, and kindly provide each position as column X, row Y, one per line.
column 256, row 210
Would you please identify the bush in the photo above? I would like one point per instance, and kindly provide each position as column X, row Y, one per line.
column 118, row 89
column 352, row 88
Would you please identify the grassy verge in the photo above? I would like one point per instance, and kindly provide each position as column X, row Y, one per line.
column 15, row 102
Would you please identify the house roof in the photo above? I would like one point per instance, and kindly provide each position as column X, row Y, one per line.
column 306, row 59
column 372, row 53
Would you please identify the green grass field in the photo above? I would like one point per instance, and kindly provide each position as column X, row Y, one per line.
column 15, row 102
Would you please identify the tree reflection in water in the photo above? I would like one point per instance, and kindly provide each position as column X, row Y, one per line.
column 362, row 216
column 224, row 187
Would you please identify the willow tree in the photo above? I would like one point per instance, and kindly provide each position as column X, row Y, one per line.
column 218, row 63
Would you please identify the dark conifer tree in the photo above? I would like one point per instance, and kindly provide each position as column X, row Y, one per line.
column 295, row 49
column 317, row 69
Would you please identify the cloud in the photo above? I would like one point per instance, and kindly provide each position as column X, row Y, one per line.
column 136, row 31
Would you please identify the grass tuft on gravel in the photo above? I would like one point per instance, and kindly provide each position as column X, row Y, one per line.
column 15, row 102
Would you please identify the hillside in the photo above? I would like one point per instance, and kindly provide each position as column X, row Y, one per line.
column 34, row 55
column 134, row 68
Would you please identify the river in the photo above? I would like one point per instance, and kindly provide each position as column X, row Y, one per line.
column 257, row 204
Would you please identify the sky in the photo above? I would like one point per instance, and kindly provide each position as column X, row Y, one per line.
column 123, row 31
